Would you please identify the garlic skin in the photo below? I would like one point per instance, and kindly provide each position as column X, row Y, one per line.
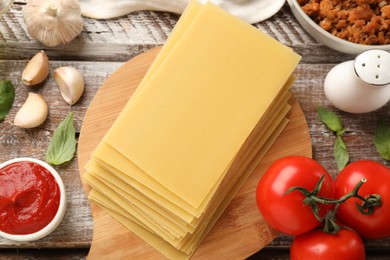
column 53, row 22
column 37, row 69
column 70, row 82
column 33, row 112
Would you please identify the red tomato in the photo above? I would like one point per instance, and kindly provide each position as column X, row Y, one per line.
column 286, row 212
column 316, row 244
column 376, row 225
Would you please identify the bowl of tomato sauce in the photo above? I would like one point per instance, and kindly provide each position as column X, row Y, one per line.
column 32, row 199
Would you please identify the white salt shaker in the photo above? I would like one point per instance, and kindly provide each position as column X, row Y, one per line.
column 361, row 85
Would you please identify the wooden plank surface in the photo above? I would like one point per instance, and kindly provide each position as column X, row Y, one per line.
column 102, row 47
column 122, row 38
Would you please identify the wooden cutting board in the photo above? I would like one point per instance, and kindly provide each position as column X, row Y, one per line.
column 241, row 230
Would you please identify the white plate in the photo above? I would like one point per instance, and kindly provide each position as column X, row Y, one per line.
column 252, row 11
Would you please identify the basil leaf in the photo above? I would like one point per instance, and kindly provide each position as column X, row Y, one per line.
column 62, row 146
column 333, row 122
column 330, row 119
column 7, row 95
column 382, row 139
column 340, row 153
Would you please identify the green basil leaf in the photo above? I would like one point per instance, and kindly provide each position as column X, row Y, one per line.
column 62, row 146
column 341, row 154
column 333, row 122
column 382, row 139
column 7, row 95
column 330, row 119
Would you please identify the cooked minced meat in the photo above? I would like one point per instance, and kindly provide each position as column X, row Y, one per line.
column 360, row 21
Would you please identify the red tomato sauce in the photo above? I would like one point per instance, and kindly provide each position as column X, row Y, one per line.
column 29, row 198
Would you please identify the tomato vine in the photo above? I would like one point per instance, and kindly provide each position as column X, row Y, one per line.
column 312, row 199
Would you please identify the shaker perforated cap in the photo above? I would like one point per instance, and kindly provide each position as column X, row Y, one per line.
column 373, row 67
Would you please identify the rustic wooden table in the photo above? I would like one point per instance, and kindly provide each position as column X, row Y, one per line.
column 102, row 47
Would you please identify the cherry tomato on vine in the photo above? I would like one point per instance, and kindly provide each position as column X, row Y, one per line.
column 316, row 244
column 377, row 224
column 287, row 213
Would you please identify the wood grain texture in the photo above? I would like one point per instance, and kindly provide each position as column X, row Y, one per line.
column 122, row 38
column 240, row 224
column 77, row 254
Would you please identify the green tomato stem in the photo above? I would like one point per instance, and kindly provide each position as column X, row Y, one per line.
column 312, row 200
column 352, row 194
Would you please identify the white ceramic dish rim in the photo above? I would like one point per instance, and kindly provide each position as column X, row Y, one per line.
column 61, row 209
column 329, row 39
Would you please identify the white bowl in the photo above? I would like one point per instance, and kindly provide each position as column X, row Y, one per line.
column 60, row 212
column 327, row 38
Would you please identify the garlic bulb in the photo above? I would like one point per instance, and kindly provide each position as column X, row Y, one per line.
column 36, row 70
column 70, row 82
column 33, row 112
column 53, row 22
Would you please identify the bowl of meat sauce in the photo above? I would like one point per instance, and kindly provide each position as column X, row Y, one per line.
column 347, row 26
column 32, row 199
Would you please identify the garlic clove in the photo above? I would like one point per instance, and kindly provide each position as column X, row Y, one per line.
column 36, row 70
column 53, row 22
column 33, row 112
column 70, row 82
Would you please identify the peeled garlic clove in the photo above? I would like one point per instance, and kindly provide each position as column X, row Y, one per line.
column 70, row 82
column 33, row 112
column 53, row 22
column 36, row 70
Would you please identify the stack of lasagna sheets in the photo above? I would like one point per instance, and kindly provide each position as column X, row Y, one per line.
column 208, row 109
